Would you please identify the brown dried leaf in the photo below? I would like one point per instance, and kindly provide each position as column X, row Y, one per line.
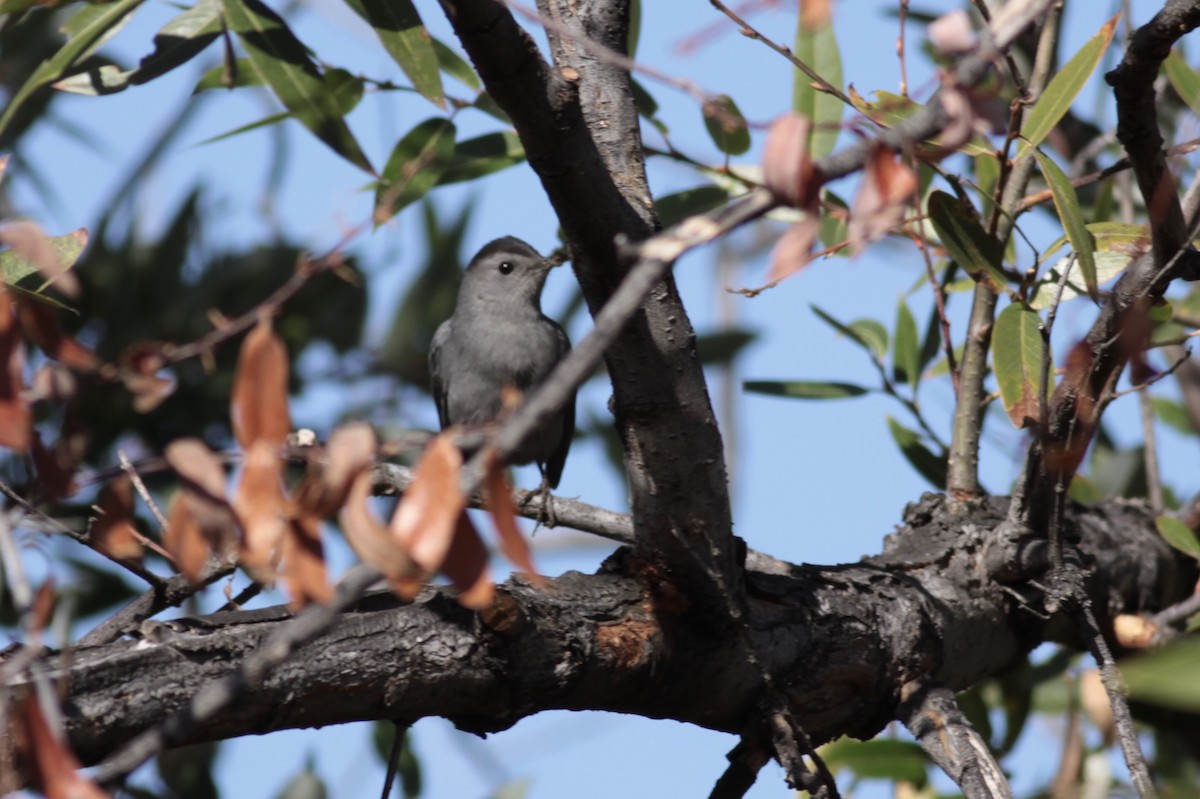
column 40, row 323
column 262, row 508
column 498, row 497
column 467, row 566
column 1094, row 699
column 425, row 520
column 15, row 422
column 184, row 539
column 1134, row 632
column 200, row 509
column 351, row 450
column 138, row 367
column 43, row 605
column 196, row 464
column 793, row 251
column 58, row 771
column 374, row 545
column 29, row 241
column 788, row 170
column 113, row 532
column 260, row 389
column 879, row 205
column 1062, row 458
column 55, row 469
column 303, row 569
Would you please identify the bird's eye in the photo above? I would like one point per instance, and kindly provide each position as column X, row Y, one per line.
column 505, row 267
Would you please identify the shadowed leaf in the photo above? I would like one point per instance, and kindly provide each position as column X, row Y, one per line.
column 399, row 28
column 958, row 228
column 1017, row 348
column 930, row 466
column 817, row 46
column 804, row 389
column 1178, row 535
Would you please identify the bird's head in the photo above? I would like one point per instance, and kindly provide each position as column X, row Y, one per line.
column 505, row 271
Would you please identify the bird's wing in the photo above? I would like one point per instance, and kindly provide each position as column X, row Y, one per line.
column 438, row 382
column 554, row 466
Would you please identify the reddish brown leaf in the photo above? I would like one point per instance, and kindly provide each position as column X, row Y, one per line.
column 40, row 323
column 138, row 367
column 879, row 205
column 260, row 389
column 303, row 569
column 788, row 171
column 196, row 464
column 29, row 241
column 15, row 423
column 55, row 469
column 374, row 545
column 350, row 451
column 793, row 251
column 1073, row 395
column 466, row 565
column 499, row 504
column 58, row 775
column 262, row 507
column 113, row 532
column 184, row 539
column 425, row 520
column 201, row 510
column 43, row 605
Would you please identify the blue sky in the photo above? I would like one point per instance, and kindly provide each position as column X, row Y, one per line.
column 813, row 482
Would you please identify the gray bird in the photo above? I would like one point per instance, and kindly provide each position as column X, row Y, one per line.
column 497, row 337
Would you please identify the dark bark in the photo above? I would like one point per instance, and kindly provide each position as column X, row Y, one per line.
column 843, row 641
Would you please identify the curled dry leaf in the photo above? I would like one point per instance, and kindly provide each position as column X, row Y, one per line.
column 351, row 451
column 55, row 468
column 1096, row 704
column 1134, row 632
column 303, row 569
column 952, row 34
column 373, row 544
column 56, row 770
column 40, row 323
column 262, row 508
column 260, row 388
column 426, row 518
column 466, row 565
column 201, row 519
column 498, row 497
column 788, row 170
column 15, row 422
column 138, row 367
column 793, row 251
column 113, row 532
column 879, row 205
column 31, row 243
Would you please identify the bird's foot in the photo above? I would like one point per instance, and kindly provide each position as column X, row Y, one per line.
column 545, row 514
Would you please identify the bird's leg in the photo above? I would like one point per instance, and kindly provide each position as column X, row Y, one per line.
column 546, row 511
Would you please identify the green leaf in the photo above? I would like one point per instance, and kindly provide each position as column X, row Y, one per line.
column 804, row 389
column 816, row 45
column 674, row 208
column 1183, row 79
column 400, row 30
column 453, row 65
column 483, row 155
column 835, row 224
column 723, row 346
column 1017, row 348
column 957, row 226
column 1167, row 676
column 906, row 350
column 305, row 785
column 866, row 333
column 219, row 77
column 888, row 110
column 1064, row 87
column 100, row 20
column 283, row 63
column 1173, row 414
column 635, row 28
column 176, row 43
column 1116, row 245
column 14, row 268
column 930, row 466
column 1178, row 535
column 987, row 175
column 726, row 126
column 1066, row 202
column 414, row 167
column 880, row 759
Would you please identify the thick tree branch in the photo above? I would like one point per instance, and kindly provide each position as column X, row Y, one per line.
column 842, row 641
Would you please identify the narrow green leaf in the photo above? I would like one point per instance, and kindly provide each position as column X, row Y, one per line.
column 931, row 344
column 283, row 63
column 1066, row 202
column 1183, row 79
column 1178, row 535
column 1065, row 86
column 635, row 28
column 723, row 346
column 218, row 77
column 835, row 224
column 101, row 20
column 1017, row 347
column 804, row 389
column 344, row 87
column 180, row 40
column 674, row 208
column 1116, row 245
column 403, row 35
column 414, row 167
column 930, row 466
column 453, row 65
column 816, row 45
column 483, row 155
column 906, row 349
column 888, row 110
column 1166, row 676
column 957, row 225
column 14, row 268
column 987, row 175
column 726, row 126
column 866, row 333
